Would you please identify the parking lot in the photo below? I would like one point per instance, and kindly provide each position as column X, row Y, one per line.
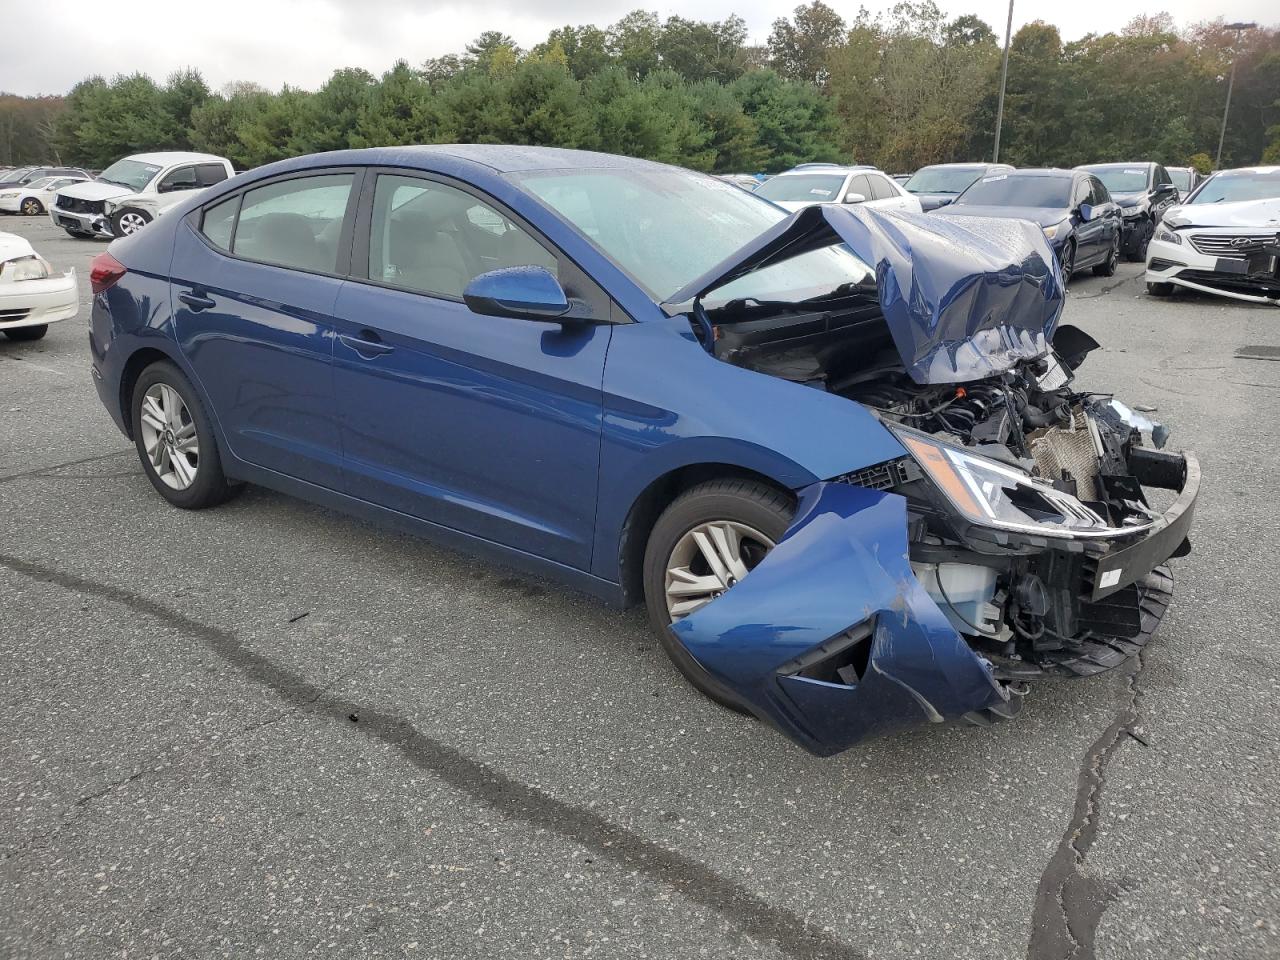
column 271, row 730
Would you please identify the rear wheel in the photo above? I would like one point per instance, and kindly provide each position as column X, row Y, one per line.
column 32, row 207
column 1108, row 267
column 175, row 442
column 28, row 333
column 1160, row 289
column 705, row 542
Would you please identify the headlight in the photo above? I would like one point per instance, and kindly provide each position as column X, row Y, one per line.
column 1130, row 213
column 25, row 268
column 991, row 494
column 1167, row 235
column 1051, row 232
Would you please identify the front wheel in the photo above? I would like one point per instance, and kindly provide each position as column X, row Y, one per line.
column 1068, row 261
column 1139, row 253
column 705, row 542
column 31, row 207
column 1160, row 289
column 175, row 442
column 128, row 220
column 1108, row 267
column 28, row 333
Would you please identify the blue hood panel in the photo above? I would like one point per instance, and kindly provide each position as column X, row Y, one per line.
column 841, row 564
column 964, row 298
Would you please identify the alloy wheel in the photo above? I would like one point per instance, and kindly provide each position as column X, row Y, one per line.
column 1068, row 263
column 169, row 436
column 708, row 560
column 131, row 223
column 31, row 207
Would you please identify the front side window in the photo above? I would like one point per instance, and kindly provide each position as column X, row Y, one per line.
column 1097, row 192
column 180, row 178
column 881, row 187
column 432, row 238
column 860, row 185
column 294, row 223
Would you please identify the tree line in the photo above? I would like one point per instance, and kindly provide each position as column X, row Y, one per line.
column 898, row 90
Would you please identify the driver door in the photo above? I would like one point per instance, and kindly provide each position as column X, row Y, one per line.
column 485, row 425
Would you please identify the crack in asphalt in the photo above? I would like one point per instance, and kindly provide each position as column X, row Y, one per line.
column 791, row 933
column 1069, row 901
column 45, row 470
column 1105, row 290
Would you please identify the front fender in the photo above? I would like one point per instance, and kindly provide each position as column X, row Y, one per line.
column 841, row 570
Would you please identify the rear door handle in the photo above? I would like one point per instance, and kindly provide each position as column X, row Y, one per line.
column 197, row 301
column 367, row 344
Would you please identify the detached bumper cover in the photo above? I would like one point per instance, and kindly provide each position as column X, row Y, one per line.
column 842, row 566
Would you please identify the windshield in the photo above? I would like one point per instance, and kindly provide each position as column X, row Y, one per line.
column 664, row 227
column 942, row 179
column 803, row 188
column 1236, row 186
column 1182, row 180
column 41, row 183
column 130, row 173
column 1007, row 190
column 1121, row 179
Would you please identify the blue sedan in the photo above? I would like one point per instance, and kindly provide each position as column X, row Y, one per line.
column 836, row 453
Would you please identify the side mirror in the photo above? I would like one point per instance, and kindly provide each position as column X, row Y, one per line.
column 854, row 198
column 1087, row 212
column 524, row 293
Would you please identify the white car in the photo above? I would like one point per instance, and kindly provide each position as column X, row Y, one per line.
column 137, row 189
column 1224, row 240
column 811, row 183
column 34, row 198
column 32, row 295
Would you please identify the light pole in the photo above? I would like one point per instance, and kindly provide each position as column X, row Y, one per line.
column 1004, row 75
column 1237, row 27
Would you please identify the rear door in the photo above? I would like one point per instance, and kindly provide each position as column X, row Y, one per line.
column 487, row 425
column 254, row 282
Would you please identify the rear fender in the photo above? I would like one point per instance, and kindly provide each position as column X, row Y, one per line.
column 842, row 565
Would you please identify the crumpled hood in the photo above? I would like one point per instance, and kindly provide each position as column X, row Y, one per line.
column 95, row 190
column 963, row 298
column 1045, row 216
column 13, row 247
column 1246, row 213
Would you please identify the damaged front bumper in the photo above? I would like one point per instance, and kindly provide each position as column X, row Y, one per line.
column 834, row 637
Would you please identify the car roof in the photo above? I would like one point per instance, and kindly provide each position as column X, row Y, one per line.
column 1115, row 166
column 973, row 164
column 830, row 168
column 172, row 156
column 1043, row 172
column 1268, row 169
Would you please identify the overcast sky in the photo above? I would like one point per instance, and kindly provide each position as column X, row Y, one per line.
column 300, row 42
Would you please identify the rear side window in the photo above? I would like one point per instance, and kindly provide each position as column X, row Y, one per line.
column 207, row 174
column 219, row 220
column 432, row 238
column 293, row 223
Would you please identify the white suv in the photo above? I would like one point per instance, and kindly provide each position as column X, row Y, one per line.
column 134, row 191
column 811, row 183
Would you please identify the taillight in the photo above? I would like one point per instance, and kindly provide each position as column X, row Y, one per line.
column 105, row 272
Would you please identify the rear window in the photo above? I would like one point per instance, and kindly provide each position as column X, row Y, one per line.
column 207, row 174
column 1007, row 190
column 803, row 187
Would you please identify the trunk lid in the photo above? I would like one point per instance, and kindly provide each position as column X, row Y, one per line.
column 962, row 298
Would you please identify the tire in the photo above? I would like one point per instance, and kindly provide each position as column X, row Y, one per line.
column 201, row 483
column 28, row 333
column 755, row 510
column 1067, row 260
column 1108, row 267
column 1160, row 289
column 129, row 220
column 31, row 207
column 1139, row 252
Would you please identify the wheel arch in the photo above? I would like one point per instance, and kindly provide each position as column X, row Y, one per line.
column 656, row 496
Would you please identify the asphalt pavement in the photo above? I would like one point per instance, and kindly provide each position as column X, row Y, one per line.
column 271, row 730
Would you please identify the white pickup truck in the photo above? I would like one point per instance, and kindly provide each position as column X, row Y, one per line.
column 132, row 192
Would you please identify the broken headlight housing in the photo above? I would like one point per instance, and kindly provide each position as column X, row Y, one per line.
column 991, row 494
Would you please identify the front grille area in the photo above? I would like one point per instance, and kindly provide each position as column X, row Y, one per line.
column 76, row 205
column 1069, row 451
column 9, row 316
column 1237, row 246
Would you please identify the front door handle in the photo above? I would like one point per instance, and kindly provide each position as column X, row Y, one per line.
column 197, row 301
column 368, row 344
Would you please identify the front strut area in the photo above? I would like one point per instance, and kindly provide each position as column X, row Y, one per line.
column 832, row 639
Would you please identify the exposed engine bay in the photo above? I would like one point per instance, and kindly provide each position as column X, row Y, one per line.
column 1039, row 547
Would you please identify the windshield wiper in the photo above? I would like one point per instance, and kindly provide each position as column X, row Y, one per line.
column 742, row 303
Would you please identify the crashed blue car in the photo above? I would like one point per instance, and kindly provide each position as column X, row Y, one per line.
column 838, row 454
